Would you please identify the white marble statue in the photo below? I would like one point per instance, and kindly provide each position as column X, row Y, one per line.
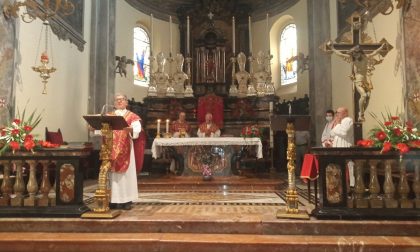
column 242, row 76
column 160, row 77
column 261, row 74
column 179, row 76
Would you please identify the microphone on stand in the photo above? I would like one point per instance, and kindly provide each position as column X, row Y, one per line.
column 104, row 109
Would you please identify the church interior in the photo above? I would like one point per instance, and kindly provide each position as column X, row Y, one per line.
column 265, row 70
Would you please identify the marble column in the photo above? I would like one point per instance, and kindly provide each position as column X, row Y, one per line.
column 102, row 55
column 320, row 82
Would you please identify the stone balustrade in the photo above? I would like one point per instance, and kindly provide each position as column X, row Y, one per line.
column 385, row 186
column 26, row 194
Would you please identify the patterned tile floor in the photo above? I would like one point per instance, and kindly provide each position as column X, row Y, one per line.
column 201, row 202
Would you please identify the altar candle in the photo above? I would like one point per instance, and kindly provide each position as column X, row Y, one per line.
column 167, row 125
column 151, row 34
column 188, row 35
column 250, row 34
column 267, row 32
column 233, row 36
column 290, row 108
column 158, row 127
column 170, row 36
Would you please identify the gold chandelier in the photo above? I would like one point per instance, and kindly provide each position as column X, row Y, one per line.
column 34, row 9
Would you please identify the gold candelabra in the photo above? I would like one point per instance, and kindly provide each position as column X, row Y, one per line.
column 34, row 9
column 292, row 198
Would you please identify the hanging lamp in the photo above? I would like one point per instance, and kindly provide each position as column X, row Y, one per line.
column 44, row 70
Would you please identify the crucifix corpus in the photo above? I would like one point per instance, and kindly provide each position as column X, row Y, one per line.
column 363, row 56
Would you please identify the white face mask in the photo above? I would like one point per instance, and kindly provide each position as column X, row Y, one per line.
column 329, row 118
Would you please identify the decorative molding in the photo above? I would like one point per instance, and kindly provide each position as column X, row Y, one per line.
column 69, row 27
column 256, row 8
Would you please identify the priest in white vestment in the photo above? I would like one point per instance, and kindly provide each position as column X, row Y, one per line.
column 208, row 128
column 344, row 136
column 125, row 161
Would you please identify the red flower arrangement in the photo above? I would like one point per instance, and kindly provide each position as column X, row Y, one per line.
column 391, row 134
column 17, row 135
column 251, row 131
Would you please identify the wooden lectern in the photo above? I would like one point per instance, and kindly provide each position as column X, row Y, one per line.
column 105, row 123
column 290, row 123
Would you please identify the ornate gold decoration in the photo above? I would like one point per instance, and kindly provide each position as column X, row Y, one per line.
column 102, row 194
column 34, row 10
column 292, row 198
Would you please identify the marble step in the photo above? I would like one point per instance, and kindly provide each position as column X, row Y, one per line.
column 217, row 183
column 92, row 242
column 178, row 224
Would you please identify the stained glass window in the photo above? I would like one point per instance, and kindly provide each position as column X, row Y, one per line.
column 288, row 50
column 141, row 47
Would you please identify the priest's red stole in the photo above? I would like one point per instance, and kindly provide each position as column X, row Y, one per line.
column 121, row 147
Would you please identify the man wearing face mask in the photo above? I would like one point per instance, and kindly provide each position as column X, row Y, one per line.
column 327, row 139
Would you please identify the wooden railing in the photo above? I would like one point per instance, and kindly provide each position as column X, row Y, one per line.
column 386, row 186
column 26, row 194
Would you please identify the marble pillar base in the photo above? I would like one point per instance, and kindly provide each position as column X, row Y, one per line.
column 391, row 203
column 52, row 202
column 361, row 203
column 18, row 201
column 406, row 203
column 30, row 202
column 376, row 203
column 417, row 203
column 43, row 202
column 5, row 202
column 350, row 203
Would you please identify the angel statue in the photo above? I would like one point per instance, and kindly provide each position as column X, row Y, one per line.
column 122, row 65
column 302, row 62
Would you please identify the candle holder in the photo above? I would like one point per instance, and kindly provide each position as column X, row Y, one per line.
column 152, row 91
column 167, row 135
column 251, row 88
column 189, row 92
column 170, row 91
column 269, row 89
column 233, row 90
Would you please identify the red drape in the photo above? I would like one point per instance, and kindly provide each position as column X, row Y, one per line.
column 213, row 104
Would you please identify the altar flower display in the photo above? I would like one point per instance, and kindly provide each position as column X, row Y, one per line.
column 251, row 131
column 18, row 135
column 207, row 171
column 393, row 133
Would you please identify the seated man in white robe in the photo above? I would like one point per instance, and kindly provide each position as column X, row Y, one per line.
column 208, row 128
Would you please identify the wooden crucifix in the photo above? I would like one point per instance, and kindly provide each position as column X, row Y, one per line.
column 361, row 54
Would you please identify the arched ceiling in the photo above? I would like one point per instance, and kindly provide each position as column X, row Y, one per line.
column 162, row 9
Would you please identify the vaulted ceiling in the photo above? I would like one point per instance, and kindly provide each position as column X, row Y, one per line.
column 177, row 8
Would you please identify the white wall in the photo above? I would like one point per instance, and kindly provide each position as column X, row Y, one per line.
column 298, row 15
column 66, row 100
column 387, row 78
column 126, row 19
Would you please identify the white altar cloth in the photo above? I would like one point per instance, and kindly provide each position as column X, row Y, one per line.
column 158, row 143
